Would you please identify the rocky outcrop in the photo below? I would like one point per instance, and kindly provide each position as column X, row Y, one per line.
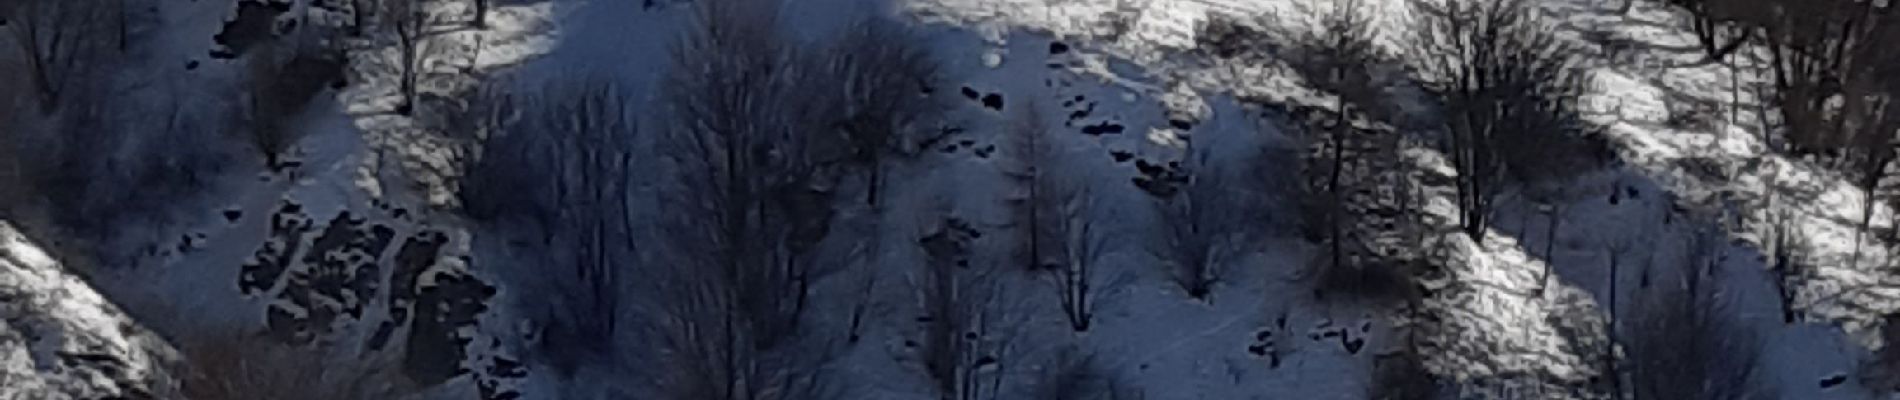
column 59, row 339
column 396, row 284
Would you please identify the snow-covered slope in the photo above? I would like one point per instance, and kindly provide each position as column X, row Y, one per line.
column 358, row 242
column 59, row 339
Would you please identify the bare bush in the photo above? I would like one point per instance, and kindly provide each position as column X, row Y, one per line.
column 1037, row 209
column 1052, row 227
column 1882, row 371
column 408, row 22
column 748, row 206
column 246, row 367
column 1079, row 280
column 1689, row 343
column 1075, row 375
column 1206, row 222
column 561, row 167
column 1509, row 86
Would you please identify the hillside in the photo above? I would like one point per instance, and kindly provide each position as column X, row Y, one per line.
column 916, row 199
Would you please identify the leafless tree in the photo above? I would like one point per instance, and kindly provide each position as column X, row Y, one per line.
column 562, row 167
column 60, row 42
column 967, row 329
column 1838, row 86
column 407, row 22
column 1340, row 58
column 1205, row 222
column 1078, row 279
column 1692, row 346
column 283, row 80
column 747, row 209
column 1037, row 208
column 1509, row 86
column 1052, row 227
column 880, row 71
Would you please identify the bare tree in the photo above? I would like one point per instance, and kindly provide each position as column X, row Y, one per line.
column 1078, row 279
column 1037, row 208
column 967, row 329
column 1510, row 88
column 882, row 72
column 1206, row 221
column 1692, row 346
column 561, row 167
column 283, row 80
column 60, row 42
column 1881, row 372
column 746, row 210
column 407, row 22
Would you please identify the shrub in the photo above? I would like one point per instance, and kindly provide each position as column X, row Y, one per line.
column 249, row 366
column 1689, row 344
column 63, row 42
column 1075, row 375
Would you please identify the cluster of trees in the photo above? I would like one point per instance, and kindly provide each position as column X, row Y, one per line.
column 1835, row 84
column 79, row 146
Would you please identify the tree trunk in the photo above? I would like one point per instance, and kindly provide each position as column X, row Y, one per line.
column 481, row 14
column 1337, row 208
column 1609, row 356
column 360, row 16
column 1550, row 242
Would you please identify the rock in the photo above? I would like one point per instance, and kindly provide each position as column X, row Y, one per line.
column 1058, row 48
column 1833, row 380
column 985, row 151
column 993, row 101
column 1103, row 128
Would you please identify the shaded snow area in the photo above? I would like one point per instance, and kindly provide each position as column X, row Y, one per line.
column 356, row 241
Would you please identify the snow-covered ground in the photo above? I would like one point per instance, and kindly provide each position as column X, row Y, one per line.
column 1124, row 88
